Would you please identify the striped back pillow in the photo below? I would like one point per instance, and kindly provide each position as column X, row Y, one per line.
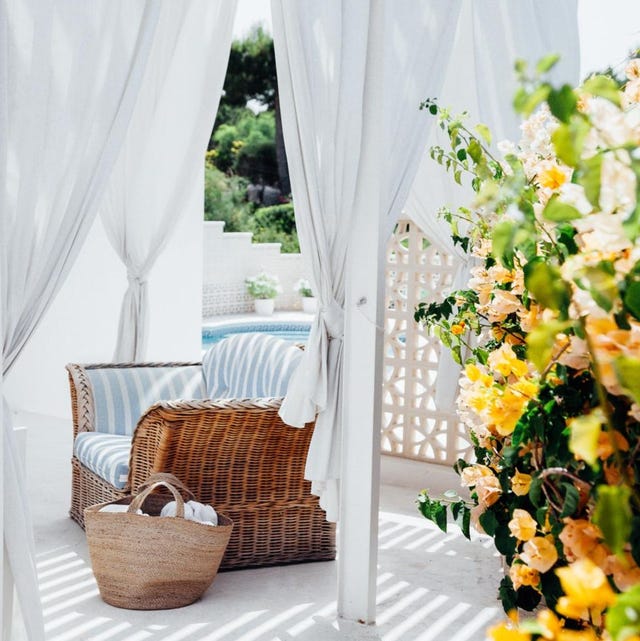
column 122, row 394
column 250, row 366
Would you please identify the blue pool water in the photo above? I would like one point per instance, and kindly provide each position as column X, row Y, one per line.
column 296, row 332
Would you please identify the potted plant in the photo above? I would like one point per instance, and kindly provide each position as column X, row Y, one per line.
column 309, row 302
column 263, row 288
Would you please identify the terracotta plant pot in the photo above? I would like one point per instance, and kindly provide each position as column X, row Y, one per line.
column 264, row 306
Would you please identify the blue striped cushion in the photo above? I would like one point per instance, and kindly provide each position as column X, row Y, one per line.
column 250, row 366
column 122, row 394
column 105, row 454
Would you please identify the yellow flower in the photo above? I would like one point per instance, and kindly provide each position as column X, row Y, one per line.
column 579, row 538
column 550, row 624
column 457, row 329
column 528, row 389
column 520, row 483
column 505, row 362
column 522, row 526
column 505, row 409
column 587, row 590
column 472, row 473
column 624, row 571
column 488, row 490
column 588, row 634
column 473, row 372
column 522, row 574
column 539, row 553
column 584, row 435
column 552, row 177
column 605, row 446
column 502, row 632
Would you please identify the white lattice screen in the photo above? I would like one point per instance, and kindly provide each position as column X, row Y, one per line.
column 413, row 427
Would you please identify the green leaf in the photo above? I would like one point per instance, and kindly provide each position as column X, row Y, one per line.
column 503, row 241
column 528, row 598
column 632, row 299
column 484, row 132
column 560, row 212
column 547, row 63
column 540, row 342
column 507, row 594
column 488, row 522
column 568, row 139
column 525, row 102
column 505, row 543
column 545, row 283
column 439, row 516
column 627, row 370
column 551, row 588
column 589, row 176
column 631, row 226
column 603, row 86
column 562, row 102
column 613, row 515
column 535, row 492
column 461, row 154
column 571, row 500
column 475, row 151
column 623, row 617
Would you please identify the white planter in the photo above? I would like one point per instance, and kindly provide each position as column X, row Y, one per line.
column 264, row 306
column 309, row 304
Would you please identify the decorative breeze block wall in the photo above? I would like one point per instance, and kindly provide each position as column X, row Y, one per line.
column 413, row 427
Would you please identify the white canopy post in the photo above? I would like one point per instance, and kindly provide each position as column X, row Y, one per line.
column 362, row 384
column 351, row 76
column 160, row 166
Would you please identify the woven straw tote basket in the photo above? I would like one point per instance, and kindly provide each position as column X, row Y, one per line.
column 150, row 562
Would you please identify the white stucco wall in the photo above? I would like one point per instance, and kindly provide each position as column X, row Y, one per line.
column 82, row 322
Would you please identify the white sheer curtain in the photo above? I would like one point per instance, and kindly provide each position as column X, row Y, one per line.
column 69, row 74
column 480, row 79
column 321, row 55
column 162, row 159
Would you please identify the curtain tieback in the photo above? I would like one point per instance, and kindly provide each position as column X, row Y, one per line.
column 136, row 279
column 333, row 318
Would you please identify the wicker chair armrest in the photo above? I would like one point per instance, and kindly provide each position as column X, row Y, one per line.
column 228, row 452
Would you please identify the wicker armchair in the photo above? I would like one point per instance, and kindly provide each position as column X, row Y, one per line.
column 236, row 454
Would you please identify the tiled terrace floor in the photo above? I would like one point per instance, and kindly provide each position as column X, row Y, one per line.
column 430, row 585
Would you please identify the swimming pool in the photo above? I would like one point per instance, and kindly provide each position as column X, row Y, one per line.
column 296, row 332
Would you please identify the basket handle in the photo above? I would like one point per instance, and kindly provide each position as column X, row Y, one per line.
column 137, row 502
column 169, row 478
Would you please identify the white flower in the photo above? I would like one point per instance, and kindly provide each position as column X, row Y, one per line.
column 573, row 194
column 618, row 188
column 632, row 70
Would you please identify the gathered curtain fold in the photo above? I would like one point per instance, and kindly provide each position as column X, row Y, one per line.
column 61, row 127
column 491, row 36
column 321, row 56
column 158, row 169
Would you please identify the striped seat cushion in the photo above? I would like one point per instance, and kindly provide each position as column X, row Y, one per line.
column 105, row 454
column 122, row 394
column 250, row 366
